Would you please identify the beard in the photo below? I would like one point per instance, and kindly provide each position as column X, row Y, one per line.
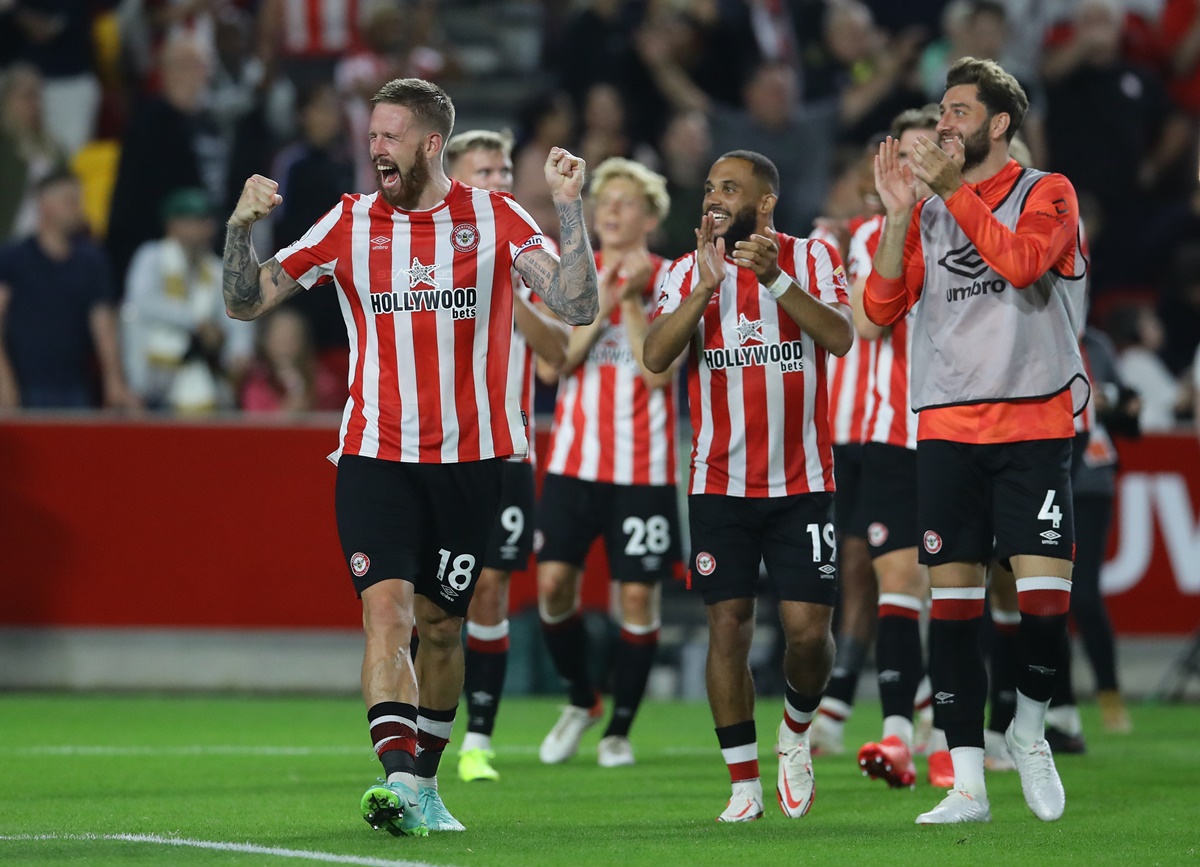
column 976, row 147
column 407, row 193
column 741, row 226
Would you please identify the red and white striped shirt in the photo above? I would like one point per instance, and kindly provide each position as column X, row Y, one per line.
column 319, row 28
column 756, row 382
column 427, row 299
column 849, row 376
column 888, row 417
column 608, row 425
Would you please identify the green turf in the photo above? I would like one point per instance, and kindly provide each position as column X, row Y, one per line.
column 192, row 768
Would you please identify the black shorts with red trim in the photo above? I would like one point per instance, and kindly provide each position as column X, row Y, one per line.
column 792, row 536
column 512, row 534
column 887, row 506
column 848, row 477
column 1017, row 495
column 639, row 523
column 427, row 524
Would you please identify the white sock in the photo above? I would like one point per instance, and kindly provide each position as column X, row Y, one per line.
column 900, row 727
column 475, row 741
column 1029, row 721
column 968, row 770
column 427, row 782
column 407, row 779
column 1065, row 717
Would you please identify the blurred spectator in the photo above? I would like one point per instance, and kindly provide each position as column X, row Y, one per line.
column 603, row 134
column 874, row 76
column 1179, row 32
column 180, row 348
column 799, row 141
column 684, row 148
column 286, row 375
column 1094, row 95
column 544, row 121
column 597, row 45
column 28, row 152
column 303, row 39
column 1138, row 334
column 1179, row 308
column 56, row 306
column 171, row 142
column 312, row 175
column 56, row 37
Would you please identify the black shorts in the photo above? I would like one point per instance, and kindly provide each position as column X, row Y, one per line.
column 887, row 506
column 512, row 532
column 424, row 523
column 847, row 475
column 792, row 536
column 639, row 523
column 1017, row 494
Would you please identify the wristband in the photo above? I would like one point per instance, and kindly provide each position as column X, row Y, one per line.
column 780, row 284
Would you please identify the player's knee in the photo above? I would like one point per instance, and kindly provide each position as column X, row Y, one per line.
column 638, row 603
column 556, row 587
column 441, row 632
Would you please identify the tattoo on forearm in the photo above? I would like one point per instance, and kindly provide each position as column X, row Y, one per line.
column 240, row 280
column 572, row 292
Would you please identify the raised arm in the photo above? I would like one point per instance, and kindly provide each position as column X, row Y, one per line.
column 567, row 284
column 669, row 334
column 885, row 299
column 638, row 271
column 252, row 288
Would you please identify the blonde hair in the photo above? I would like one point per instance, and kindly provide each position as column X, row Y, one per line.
column 462, row 143
column 653, row 185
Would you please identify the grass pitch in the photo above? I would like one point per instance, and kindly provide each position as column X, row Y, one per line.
column 102, row 780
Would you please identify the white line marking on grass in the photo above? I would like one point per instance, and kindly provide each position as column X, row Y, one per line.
column 189, row 750
column 247, row 848
column 102, row 750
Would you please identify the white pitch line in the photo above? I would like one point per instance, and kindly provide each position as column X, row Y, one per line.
column 100, row 750
column 246, row 848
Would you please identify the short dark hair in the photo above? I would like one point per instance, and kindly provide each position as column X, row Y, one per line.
column 57, row 175
column 925, row 117
column 761, row 167
column 429, row 103
column 998, row 90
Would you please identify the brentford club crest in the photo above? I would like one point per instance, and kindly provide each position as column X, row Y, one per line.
column 933, row 542
column 877, row 534
column 705, row 563
column 359, row 564
column 464, row 237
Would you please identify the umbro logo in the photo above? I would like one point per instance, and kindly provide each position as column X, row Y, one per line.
column 1049, row 537
column 380, row 242
column 944, row 697
column 889, row 675
column 828, row 570
column 965, row 262
column 1043, row 670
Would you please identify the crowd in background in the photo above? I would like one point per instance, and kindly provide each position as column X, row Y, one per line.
column 127, row 128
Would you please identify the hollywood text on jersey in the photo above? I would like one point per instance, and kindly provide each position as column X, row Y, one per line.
column 460, row 302
column 788, row 355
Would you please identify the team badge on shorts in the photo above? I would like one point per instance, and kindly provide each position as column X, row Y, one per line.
column 877, row 534
column 538, row 541
column 705, row 563
column 933, row 542
column 359, row 564
column 464, row 237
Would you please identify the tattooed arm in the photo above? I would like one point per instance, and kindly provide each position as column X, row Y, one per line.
column 568, row 285
column 251, row 288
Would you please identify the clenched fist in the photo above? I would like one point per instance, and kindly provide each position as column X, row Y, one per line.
column 259, row 197
column 564, row 174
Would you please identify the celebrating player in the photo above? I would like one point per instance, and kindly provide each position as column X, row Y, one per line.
column 997, row 376
column 611, row 471
column 759, row 310
column 483, row 159
column 423, row 268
